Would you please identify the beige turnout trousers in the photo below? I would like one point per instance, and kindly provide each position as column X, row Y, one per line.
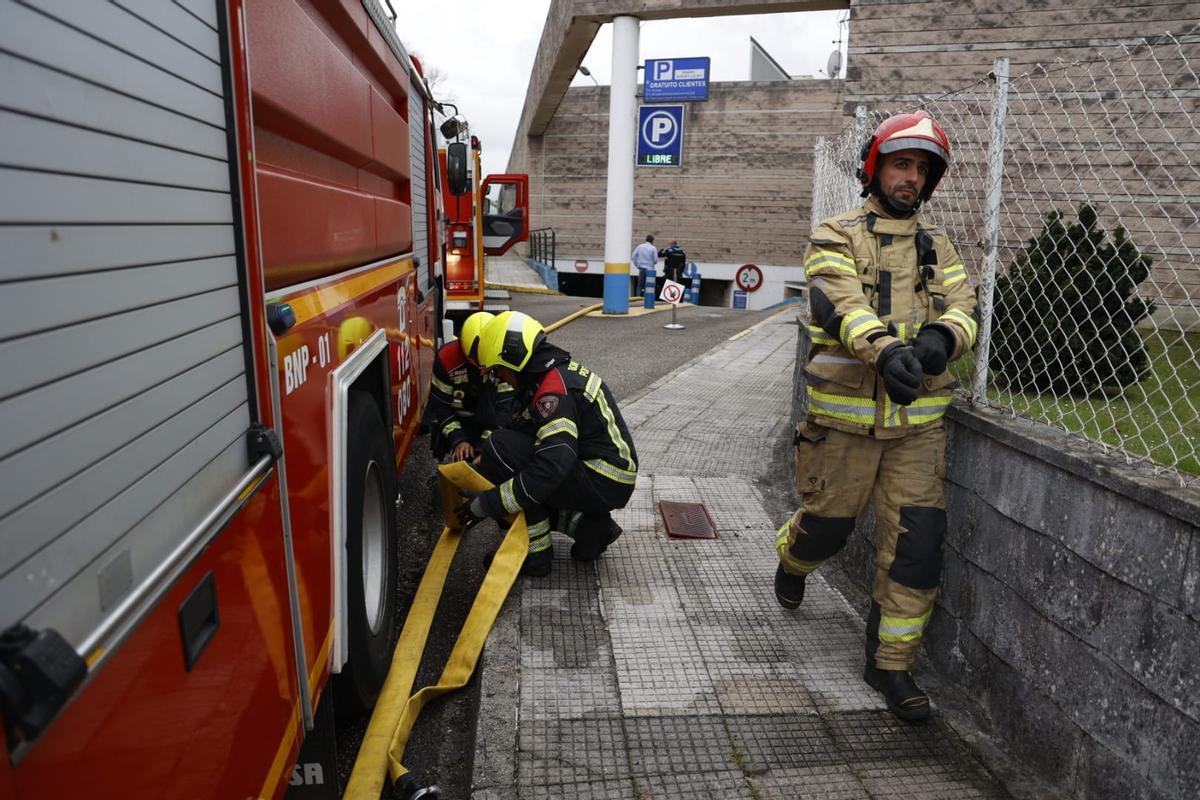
column 836, row 473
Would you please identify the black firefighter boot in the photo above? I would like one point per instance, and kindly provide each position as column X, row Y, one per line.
column 904, row 698
column 789, row 588
column 593, row 535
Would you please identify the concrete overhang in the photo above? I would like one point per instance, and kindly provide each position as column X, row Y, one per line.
column 571, row 26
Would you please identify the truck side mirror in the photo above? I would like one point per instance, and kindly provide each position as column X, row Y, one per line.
column 456, row 169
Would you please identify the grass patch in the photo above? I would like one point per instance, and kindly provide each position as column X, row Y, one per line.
column 1158, row 418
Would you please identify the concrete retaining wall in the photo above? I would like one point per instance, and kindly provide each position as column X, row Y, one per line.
column 1070, row 607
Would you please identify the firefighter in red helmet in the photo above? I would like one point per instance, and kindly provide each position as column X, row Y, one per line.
column 891, row 306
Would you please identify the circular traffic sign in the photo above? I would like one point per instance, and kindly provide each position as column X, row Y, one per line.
column 672, row 293
column 748, row 277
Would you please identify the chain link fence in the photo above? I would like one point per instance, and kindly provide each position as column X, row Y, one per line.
column 1073, row 199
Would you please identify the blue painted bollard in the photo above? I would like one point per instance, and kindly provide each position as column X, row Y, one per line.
column 648, row 297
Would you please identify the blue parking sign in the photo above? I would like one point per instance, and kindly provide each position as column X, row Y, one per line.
column 675, row 79
column 660, row 136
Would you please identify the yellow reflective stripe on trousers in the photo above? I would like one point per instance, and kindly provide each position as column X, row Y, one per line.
column 442, row 385
column 781, row 546
column 953, row 274
column 859, row 323
column 860, row 410
column 609, row 471
column 902, row 629
column 819, row 336
column 508, row 497
column 539, row 536
column 828, row 258
column 561, row 425
column 966, row 321
column 451, row 426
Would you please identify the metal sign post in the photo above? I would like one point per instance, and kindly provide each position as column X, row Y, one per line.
column 672, row 293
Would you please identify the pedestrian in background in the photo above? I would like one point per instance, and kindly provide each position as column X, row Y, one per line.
column 891, row 306
column 676, row 260
column 644, row 257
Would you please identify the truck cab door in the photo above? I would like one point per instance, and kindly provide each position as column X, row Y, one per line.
column 505, row 212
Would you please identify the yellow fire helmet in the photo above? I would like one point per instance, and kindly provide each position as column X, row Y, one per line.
column 509, row 340
column 472, row 330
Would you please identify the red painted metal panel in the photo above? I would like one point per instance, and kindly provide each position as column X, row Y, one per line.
column 145, row 727
column 315, row 91
column 310, row 229
column 389, row 139
column 393, row 223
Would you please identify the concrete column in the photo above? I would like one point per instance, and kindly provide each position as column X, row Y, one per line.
column 622, row 114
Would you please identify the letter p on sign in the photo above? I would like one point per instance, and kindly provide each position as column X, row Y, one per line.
column 663, row 70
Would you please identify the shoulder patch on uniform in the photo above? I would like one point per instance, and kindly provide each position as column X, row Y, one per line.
column 451, row 357
column 546, row 405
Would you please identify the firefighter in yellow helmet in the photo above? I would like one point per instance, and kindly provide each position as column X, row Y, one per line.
column 465, row 404
column 567, row 459
column 891, row 306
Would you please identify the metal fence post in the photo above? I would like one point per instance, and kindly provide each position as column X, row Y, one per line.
column 991, row 250
column 818, row 174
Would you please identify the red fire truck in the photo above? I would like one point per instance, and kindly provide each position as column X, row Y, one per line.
column 481, row 219
column 222, row 275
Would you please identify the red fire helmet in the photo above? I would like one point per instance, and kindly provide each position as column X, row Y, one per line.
column 915, row 130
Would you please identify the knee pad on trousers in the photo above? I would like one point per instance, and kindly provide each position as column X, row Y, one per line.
column 918, row 563
column 822, row 537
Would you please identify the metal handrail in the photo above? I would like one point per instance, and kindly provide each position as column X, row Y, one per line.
column 542, row 246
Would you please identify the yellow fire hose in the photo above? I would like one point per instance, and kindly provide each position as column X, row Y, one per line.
column 397, row 709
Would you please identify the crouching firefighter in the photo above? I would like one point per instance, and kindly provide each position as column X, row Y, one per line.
column 567, row 460
column 891, row 306
column 465, row 404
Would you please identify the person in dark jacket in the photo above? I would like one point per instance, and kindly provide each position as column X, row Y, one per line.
column 676, row 261
column 567, row 459
column 465, row 404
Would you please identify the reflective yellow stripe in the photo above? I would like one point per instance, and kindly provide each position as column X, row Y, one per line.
column 859, row 323
column 902, row 629
column 442, row 385
column 614, row 432
column 965, row 320
column 562, row 425
column 781, row 546
column 827, row 258
column 593, row 387
column 508, row 497
column 851, row 409
column 609, row 471
column 927, row 409
column 819, row 336
column 539, row 536
column 954, row 274
column 451, row 427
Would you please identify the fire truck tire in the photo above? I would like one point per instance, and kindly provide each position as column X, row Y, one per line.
column 370, row 556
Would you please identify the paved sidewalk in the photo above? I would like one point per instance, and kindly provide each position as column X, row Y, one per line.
column 666, row 669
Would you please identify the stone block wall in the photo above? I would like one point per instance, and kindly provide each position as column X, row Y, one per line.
column 1070, row 606
column 744, row 190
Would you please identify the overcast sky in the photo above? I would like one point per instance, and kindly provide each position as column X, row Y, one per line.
column 485, row 49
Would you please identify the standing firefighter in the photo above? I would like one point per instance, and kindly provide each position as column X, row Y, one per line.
column 568, row 456
column 891, row 306
column 465, row 405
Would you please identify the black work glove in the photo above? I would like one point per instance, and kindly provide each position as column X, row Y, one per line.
column 901, row 372
column 932, row 348
column 471, row 512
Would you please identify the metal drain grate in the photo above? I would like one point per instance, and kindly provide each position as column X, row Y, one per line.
column 687, row 520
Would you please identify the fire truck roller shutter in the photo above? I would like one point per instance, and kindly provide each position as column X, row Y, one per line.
column 125, row 398
column 370, row 555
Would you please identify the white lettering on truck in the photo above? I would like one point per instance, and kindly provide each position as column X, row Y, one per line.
column 295, row 368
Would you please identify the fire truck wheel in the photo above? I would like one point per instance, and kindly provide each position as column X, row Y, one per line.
column 370, row 555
